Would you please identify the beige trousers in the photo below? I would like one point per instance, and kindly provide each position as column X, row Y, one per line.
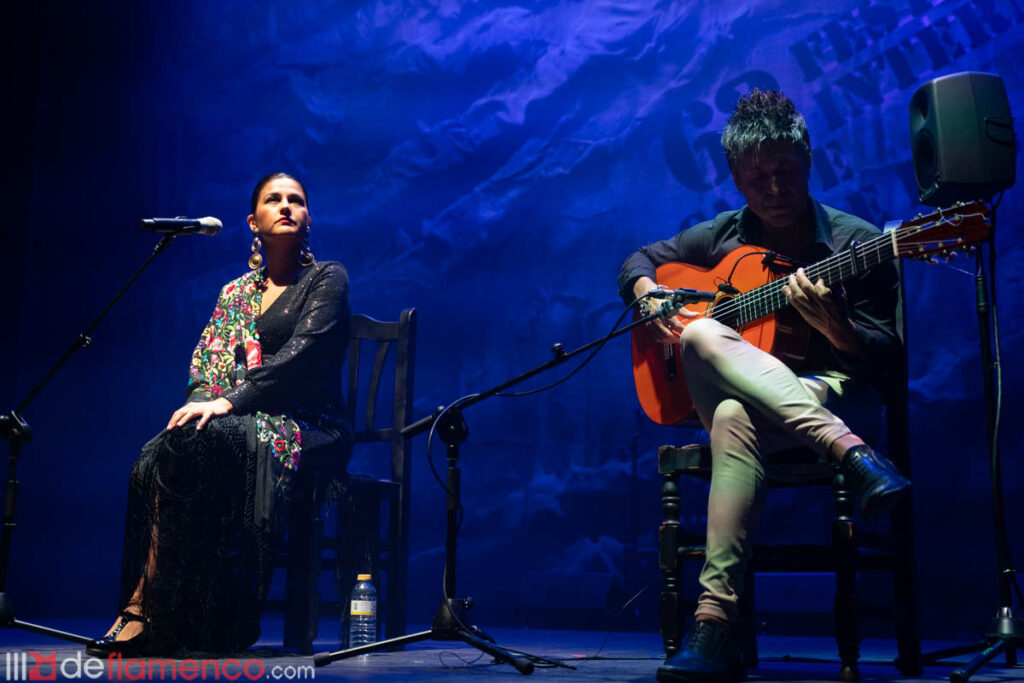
column 753, row 405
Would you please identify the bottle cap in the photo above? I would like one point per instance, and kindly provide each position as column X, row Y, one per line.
column 363, row 577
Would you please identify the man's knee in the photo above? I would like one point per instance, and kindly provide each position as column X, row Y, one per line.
column 733, row 434
column 731, row 412
column 701, row 339
column 731, row 420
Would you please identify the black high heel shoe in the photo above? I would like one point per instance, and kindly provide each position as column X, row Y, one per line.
column 109, row 644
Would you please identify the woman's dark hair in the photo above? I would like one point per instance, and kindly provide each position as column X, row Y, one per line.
column 255, row 199
column 761, row 118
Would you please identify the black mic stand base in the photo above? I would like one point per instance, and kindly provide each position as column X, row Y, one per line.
column 17, row 432
column 7, row 620
column 1006, row 634
column 445, row 626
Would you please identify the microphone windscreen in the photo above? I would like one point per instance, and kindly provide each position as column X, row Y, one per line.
column 210, row 225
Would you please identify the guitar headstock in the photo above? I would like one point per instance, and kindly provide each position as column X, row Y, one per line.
column 944, row 231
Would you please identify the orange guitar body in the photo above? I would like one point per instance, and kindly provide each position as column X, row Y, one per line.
column 657, row 369
column 772, row 325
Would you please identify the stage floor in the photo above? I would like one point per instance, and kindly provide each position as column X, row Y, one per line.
column 616, row 656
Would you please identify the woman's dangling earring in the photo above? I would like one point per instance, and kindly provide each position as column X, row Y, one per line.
column 256, row 260
column 306, row 257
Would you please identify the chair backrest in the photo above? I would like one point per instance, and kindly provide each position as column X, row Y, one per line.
column 377, row 337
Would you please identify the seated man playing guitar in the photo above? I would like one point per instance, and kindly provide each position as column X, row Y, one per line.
column 750, row 402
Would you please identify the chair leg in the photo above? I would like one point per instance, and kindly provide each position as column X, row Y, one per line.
column 341, row 573
column 669, row 537
column 295, row 616
column 908, row 639
column 369, row 558
column 302, row 605
column 847, row 559
column 746, row 629
column 314, row 568
column 346, row 561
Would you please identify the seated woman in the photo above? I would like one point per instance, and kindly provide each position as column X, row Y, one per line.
column 208, row 493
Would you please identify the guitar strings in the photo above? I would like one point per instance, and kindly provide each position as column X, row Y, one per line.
column 767, row 298
column 763, row 300
column 771, row 294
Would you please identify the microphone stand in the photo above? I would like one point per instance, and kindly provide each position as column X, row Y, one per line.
column 17, row 432
column 1005, row 632
column 449, row 623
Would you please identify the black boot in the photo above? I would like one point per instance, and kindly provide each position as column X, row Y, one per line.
column 875, row 480
column 710, row 654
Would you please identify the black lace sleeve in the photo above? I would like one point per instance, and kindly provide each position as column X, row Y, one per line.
column 320, row 331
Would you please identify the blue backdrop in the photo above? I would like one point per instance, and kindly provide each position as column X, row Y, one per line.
column 491, row 164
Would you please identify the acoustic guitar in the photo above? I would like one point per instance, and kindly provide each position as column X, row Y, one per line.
column 750, row 298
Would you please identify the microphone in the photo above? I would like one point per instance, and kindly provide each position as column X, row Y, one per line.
column 182, row 226
column 684, row 295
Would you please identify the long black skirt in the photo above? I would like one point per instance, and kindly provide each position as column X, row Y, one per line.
column 207, row 506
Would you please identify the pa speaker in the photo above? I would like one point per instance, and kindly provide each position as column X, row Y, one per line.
column 961, row 133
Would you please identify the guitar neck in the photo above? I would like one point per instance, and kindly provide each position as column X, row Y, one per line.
column 836, row 269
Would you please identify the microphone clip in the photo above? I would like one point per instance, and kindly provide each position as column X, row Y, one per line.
column 780, row 263
column 674, row 299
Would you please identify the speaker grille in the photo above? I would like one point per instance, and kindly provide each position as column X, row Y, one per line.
column 962, row 138
column 924, row 160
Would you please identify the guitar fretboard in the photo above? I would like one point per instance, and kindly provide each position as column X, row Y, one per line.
column 767, row 299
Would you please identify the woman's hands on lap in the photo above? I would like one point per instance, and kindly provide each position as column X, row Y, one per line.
column 204, row 410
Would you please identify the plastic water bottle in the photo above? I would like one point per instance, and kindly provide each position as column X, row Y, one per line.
column 362, row 616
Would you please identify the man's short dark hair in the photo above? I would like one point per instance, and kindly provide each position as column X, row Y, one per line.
column 761, row 118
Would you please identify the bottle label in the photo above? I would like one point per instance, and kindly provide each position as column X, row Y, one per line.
column 363, row 608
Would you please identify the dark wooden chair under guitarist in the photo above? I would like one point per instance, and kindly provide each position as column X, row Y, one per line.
column 851, row 549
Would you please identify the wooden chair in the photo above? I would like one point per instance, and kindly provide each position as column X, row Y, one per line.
column 371, row 513
column 851, row 550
